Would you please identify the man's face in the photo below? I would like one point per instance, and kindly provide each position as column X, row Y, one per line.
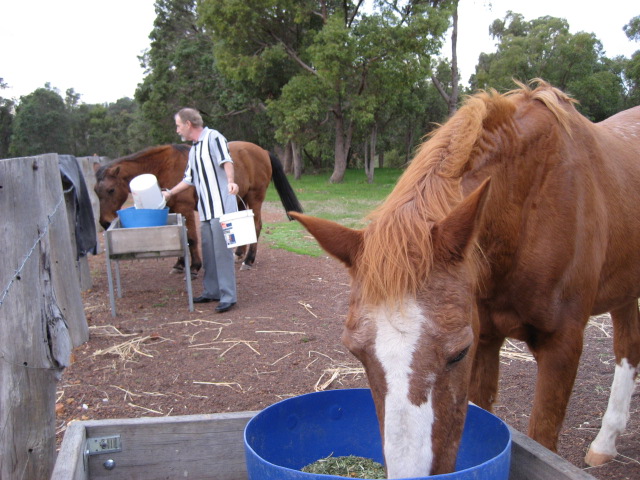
column 183, row 129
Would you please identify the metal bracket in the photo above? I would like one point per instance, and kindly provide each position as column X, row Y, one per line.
column 99, row 445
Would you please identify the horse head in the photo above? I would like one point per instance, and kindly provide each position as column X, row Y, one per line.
column 417, row 347
column 112, row 191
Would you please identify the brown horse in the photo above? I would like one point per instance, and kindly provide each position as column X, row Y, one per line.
column 254, row 168
column 517, row 218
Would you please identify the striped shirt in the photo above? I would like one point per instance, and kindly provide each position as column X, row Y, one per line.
column 205, row 171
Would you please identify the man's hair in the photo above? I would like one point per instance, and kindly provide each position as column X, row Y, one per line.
column 191, row 115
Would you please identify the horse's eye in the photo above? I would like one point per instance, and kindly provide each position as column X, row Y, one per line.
column 111, row 190
column 459, row 357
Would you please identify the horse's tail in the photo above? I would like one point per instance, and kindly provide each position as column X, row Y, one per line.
column 283, row 187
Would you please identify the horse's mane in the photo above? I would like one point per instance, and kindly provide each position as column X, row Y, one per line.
column 147, row 153
column 398, row 248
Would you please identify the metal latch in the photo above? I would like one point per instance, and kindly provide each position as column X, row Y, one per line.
column 99, row 445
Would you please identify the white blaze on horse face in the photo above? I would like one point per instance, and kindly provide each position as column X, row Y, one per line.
column 407, row 427
column 617, row 414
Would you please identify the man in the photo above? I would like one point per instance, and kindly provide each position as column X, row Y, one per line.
column 210, row 170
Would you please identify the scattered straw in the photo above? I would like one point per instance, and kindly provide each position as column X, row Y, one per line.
column 199, row 322
column 308, row 308
column 144, row 408
column 602, row 323
column 281, row 358
column 319, row 353
column 513, row 351
column 239, row 342
column 280, row 331
column 330, row 375
column 127, row 393
column 108, row 331
column 126, row 350
column 230, row 385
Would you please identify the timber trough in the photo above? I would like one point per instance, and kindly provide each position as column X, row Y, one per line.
column 169, row 240
column 211, row 447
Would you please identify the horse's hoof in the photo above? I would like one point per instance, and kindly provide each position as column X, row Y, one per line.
column 245, row 267
column 176, row 270
column 595, row 459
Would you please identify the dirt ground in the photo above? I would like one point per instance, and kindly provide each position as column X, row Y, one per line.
column 282, row 339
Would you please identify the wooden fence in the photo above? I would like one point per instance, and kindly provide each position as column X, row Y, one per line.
column 41, row 311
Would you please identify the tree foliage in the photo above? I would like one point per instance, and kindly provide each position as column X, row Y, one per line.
column 336, row 83
column 544, row 48
column 331, row 64
column 6, row 121
column 182, row 72
column 41, row 124
column 631, row 67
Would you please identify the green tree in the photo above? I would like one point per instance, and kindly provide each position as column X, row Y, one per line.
column 41, row 124
column 321, row 62
column 181, row 71
column 631, row 68
column 544, row 48
column 109, row 130
column 6, row 121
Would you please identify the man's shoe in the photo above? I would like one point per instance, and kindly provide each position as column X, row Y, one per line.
column 224, row 306
column 203, row 299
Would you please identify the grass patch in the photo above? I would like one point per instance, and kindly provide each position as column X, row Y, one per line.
column 347, row 203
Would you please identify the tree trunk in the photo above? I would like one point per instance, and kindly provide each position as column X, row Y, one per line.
column 370, row 160
column 452, row 99
column 287, row 160
column 409, row 146
column 342, row 146
column 297, row 160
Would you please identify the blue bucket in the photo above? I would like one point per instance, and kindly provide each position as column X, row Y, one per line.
column 285, row 437
column 143, row 217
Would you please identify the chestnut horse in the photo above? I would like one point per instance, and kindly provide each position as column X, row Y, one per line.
column 517, row 218
column 254, row 169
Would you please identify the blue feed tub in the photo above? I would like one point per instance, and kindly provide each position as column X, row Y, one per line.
column 291, row 434
column 143, row 217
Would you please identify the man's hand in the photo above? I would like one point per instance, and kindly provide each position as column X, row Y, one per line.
column 233, row 188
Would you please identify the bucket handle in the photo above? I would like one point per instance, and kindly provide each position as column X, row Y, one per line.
column 242, row 200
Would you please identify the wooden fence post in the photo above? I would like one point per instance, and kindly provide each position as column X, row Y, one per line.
column 41, row 312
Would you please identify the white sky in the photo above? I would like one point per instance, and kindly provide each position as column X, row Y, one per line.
column 93, row 46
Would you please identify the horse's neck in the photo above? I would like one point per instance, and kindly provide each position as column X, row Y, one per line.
column 133, row 168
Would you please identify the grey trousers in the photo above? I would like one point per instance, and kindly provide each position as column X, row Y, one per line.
column 219, row 270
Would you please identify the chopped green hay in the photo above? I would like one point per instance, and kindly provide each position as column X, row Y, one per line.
column 351, row 467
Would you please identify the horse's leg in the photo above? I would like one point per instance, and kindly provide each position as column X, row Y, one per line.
column 194, row 244
column 239, row 252
column 558, row 357
column 626, row 340
column 483, row 388
column 249, row 260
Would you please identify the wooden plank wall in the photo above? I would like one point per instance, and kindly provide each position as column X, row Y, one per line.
column 212, row 446
column 41, row 312
column 188, row 446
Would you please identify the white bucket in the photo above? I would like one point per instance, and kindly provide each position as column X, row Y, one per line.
column 238, row 228
column 146, row 192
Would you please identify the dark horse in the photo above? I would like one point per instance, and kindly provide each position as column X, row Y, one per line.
column 254, row 168
column 517, row 218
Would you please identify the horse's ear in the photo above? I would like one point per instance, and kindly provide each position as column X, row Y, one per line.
column 453, row 235
column 116, row 171
column 339, row 241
